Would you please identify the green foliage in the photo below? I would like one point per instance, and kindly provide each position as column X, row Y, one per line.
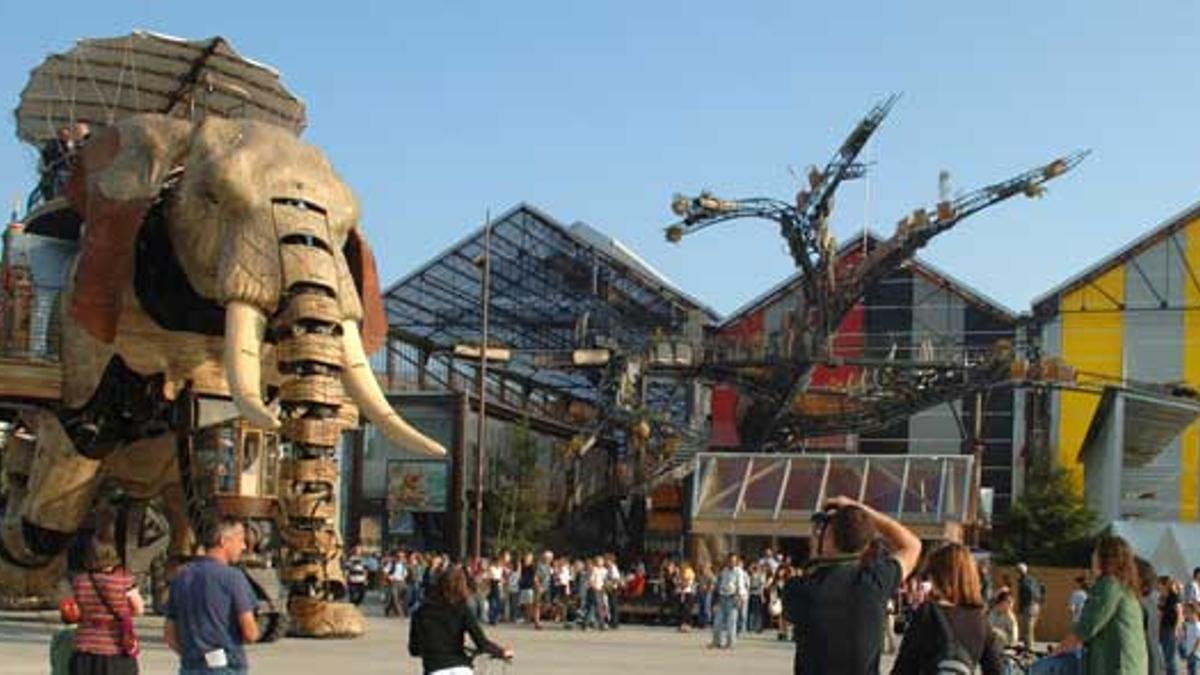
column 518, row 517
column 1049, row 525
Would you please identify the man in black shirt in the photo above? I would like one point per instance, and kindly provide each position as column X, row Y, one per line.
column 837, row 606
column 55, row 163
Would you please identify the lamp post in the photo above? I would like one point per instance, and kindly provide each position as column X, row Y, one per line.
column 481, row 427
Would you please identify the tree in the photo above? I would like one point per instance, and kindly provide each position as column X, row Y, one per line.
column 1049, row 524
column 518, row 513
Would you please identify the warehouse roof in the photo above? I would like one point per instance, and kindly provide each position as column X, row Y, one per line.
column 793, row 282
column 553, row 288
column 1165, row 229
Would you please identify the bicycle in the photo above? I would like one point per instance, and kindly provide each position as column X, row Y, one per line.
column 490, row 665
column 1023, row 661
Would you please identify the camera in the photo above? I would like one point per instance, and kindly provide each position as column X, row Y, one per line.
column 822, row 518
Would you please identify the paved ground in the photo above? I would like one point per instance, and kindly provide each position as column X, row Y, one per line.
column 24, row 639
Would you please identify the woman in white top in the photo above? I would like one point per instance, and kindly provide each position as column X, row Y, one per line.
column 560, row 595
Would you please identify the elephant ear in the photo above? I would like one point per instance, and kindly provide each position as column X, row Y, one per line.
column 361, row 262
column 117, row 176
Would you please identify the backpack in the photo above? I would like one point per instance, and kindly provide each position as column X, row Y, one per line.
column 953, row 659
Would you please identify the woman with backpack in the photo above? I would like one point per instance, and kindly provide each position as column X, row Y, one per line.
column 950, row 633
column 1110, row 627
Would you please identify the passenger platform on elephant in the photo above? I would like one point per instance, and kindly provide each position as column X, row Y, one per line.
column 37, row 254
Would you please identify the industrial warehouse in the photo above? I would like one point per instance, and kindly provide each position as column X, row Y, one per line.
column 916, row 309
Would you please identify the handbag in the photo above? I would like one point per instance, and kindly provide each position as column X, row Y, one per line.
column 68, row 610
column 128, row 640
column 776, row 607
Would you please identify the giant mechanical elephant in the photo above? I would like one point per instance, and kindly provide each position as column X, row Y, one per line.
column 222, row 257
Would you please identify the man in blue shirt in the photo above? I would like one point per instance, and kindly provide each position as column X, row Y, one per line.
column 210, row 609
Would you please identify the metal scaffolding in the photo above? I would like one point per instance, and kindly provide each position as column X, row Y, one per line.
column 553, row 291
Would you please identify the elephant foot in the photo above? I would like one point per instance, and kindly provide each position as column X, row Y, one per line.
column 32, row 588
column 32, row 575
column 313, row 618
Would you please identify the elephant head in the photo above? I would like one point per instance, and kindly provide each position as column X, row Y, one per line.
column 252, row 214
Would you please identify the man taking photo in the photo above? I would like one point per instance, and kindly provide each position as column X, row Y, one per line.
column 210, row 609
column 837, row 606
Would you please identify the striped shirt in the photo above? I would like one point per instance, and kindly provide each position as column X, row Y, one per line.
column 99, row 631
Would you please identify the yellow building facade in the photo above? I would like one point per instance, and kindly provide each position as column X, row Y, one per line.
column 1135, row 316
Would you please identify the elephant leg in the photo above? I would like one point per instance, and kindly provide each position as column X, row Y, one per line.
column 147, row 469
column 183, row 538
column 61, row 488
column 22, row 587
column 52, row 488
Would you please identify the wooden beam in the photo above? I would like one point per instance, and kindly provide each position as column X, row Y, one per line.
column 30, row 380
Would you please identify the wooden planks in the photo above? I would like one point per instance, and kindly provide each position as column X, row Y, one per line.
column 27, row 379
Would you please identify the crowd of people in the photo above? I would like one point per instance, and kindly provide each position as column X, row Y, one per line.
column 1125, row 620
column 841, row 606
column 587, row 592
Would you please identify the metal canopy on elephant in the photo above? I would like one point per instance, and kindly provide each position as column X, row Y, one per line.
column 103, row 80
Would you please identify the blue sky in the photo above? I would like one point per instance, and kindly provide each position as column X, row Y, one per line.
column 436, row 112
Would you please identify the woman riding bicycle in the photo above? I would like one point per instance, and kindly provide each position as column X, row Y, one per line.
column 439, row 627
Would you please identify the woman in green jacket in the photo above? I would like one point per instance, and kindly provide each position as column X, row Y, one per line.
column 1110, row 626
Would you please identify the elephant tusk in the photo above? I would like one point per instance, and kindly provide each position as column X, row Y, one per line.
column 245, row 327
column 364, row 389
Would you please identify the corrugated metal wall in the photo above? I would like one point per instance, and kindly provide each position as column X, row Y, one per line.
column 913, row 306
column 888, row 307
column 939, row 318
column 1139, row 320
column 1189, row 454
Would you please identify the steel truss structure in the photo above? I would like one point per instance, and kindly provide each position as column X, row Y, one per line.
column 554, row 290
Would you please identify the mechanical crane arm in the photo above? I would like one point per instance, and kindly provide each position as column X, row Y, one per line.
column 912, row 234
column 915, row 230
column 802, row 224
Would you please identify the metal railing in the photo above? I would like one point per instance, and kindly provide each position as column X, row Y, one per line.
column 30, row 322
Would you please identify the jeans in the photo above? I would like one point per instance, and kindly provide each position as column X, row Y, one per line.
column 397, row 600
column 1193, row 664
column 495, row 604
column 1070, row 663
column 614, row 609
column 415, row 596
column 593, row 609
column 686, row 608
column 512, row 611
column 725, row 622
column 475, row 607
column 704, row 616
column 1170, row 650
column 213, row 671
column 358, row 591
column 754, row 614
